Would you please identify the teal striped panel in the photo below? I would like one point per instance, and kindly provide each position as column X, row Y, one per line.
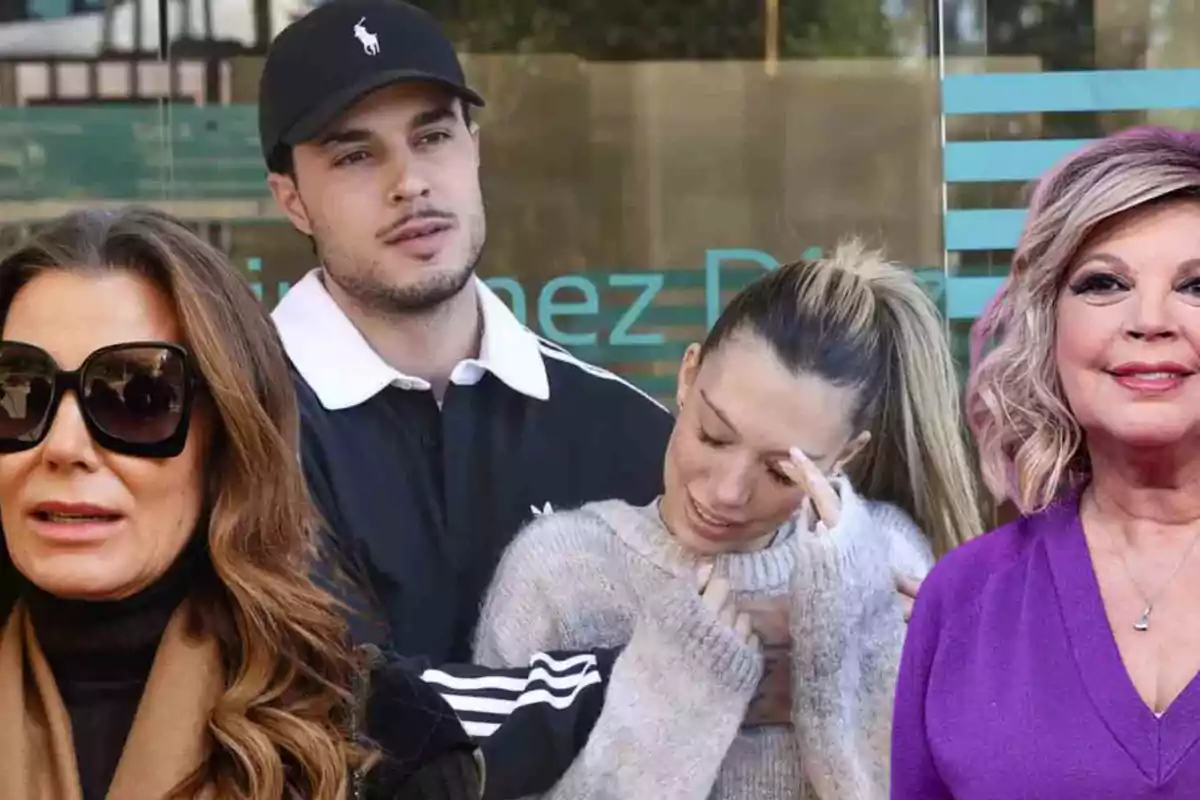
column 966, row 297
column 1015, row 93
column 969, row 162
column 983, row 229
column 983, row 162
column 1098, row 90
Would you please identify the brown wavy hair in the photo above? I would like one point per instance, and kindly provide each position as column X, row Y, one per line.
column 1031, row 449
column 284, row 722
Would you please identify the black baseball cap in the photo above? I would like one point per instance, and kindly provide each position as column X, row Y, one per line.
column 327, row 60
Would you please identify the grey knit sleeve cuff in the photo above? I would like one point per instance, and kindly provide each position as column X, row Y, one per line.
column 841, row 583
column 850, row 558
column 691, row 637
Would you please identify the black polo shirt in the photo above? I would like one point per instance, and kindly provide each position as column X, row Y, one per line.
column 422, row 500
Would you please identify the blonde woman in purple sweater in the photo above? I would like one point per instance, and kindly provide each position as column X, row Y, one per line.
column 1057, row 656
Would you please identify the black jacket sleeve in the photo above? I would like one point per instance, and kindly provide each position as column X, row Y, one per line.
column 424, row 752
column 518, row 728
column 530, row 721
column 503, row 717
column 454, row 776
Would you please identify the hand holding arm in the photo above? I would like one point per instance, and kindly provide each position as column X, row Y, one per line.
column 690, row 665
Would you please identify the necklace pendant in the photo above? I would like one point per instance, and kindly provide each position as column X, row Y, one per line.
column 1143, row 622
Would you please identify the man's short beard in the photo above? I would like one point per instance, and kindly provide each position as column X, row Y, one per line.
column 374, row 295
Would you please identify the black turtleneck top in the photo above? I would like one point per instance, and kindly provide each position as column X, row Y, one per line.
column 101, row 654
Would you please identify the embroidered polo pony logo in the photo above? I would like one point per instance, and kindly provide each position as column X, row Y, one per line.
column 370, row 41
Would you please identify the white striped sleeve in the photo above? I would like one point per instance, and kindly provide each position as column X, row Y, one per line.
column 484, row 698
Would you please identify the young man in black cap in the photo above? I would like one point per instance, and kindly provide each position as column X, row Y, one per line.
column 435, row 425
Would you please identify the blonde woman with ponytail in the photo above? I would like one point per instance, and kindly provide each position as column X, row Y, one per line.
column 816, row 455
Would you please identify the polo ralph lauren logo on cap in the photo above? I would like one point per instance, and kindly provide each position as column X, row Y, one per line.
column 300, row 96
column 370, row 41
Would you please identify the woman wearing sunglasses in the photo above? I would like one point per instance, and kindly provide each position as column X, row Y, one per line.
column 821, row 379
column 159, row 635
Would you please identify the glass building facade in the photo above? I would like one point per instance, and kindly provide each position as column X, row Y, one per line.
column 642, row 158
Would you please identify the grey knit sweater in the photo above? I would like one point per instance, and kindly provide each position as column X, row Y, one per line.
column 609, row 574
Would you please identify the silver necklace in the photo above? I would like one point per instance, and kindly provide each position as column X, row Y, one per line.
column 1143, row 622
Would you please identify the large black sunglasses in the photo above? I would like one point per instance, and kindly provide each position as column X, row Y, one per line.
column 136, row 397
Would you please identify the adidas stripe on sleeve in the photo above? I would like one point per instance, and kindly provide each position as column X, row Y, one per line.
column 529, row 721
column 483, row 700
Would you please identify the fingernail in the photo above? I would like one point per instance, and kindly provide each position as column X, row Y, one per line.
column 705, row 573
column 798, row 455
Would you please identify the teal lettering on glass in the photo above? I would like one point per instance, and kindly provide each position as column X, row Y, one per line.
column 613, row 325
column 713, row 259
column 651, row 284
column 548, row 308
column 516, row 295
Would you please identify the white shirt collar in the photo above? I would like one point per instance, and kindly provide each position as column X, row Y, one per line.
column 344, row 370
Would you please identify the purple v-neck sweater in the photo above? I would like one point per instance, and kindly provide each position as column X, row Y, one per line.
column 1011, row 685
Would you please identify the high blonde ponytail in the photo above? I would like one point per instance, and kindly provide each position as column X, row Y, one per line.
column 855, row 319
column 917, row 457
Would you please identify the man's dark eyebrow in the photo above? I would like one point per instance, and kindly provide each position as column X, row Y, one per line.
column 720, row 414
column 433, row 116
column 345, row 136
column 440, row 113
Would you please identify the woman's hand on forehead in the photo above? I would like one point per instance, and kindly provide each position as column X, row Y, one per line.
column 817, row 488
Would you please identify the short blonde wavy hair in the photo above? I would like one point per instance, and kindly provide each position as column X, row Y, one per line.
column 1030, row 446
